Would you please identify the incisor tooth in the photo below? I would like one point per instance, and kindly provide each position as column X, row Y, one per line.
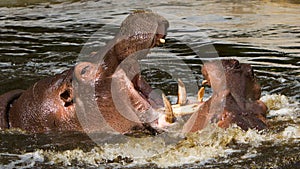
column 170, row 117
column 201, row 94
column 161, row 40
column 204, row 82
column 181, row 93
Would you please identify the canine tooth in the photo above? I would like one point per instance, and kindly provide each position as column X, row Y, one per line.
column 161, row 40
column 170, row 117
column 93, row 53
column 201, row 94
column 181, row 93
column 204, row 82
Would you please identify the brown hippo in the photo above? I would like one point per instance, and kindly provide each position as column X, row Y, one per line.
column 235, row 98
column 106, row 93
column 56, row 104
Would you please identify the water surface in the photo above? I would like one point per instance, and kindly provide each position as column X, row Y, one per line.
column 42, row 38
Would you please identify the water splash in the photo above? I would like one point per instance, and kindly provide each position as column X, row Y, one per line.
column 211, row 145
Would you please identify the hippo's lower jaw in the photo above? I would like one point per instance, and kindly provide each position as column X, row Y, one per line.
column 234, row 100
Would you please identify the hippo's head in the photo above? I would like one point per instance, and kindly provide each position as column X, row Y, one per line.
column 47, row 105
column 54, row 103
column 231, row 75
column 235, row 97
column 122, row 96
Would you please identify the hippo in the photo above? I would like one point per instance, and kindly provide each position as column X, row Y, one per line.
column 235, row 98
column 54, row 104
column 105, row 92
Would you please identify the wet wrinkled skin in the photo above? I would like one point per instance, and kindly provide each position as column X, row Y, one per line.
column 5, row 101
column 235, row 98
column 56, row 103
column 105, row 92
column 47, row 105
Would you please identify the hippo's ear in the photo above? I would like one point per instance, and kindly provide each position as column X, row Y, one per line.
column 5, row 100
column 85, row 72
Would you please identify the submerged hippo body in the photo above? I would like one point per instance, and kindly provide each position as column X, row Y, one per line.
column 235, row 98
column 54, row 104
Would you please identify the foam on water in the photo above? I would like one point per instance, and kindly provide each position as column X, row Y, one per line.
column 208, row 145
column 281, row 106
column 26, row 160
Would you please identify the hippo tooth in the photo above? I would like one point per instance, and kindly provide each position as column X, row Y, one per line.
column 182, row 98
column 162, row 40
column 170, row 117
column 204, row 82
column 201, row 94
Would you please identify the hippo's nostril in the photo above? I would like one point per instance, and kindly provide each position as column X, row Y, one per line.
column 66, row 97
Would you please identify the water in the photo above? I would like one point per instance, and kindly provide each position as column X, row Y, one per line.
column 42, row 38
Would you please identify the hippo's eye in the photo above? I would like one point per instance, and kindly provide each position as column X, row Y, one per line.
column 84, row 70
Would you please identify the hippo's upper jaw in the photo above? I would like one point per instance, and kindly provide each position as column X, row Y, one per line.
column 140, row 30
column 235, row 97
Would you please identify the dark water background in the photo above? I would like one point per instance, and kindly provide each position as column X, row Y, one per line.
column 42, row 38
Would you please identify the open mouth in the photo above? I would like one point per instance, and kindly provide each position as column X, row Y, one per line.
column 161, row 33
column 158, row 40
column 170, row 113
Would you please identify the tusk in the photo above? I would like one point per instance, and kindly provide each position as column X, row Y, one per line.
column 162, row 40
column 93, row 53
column 170, row 117
column 201, row 94
column 204, row 82
column 181, row 93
